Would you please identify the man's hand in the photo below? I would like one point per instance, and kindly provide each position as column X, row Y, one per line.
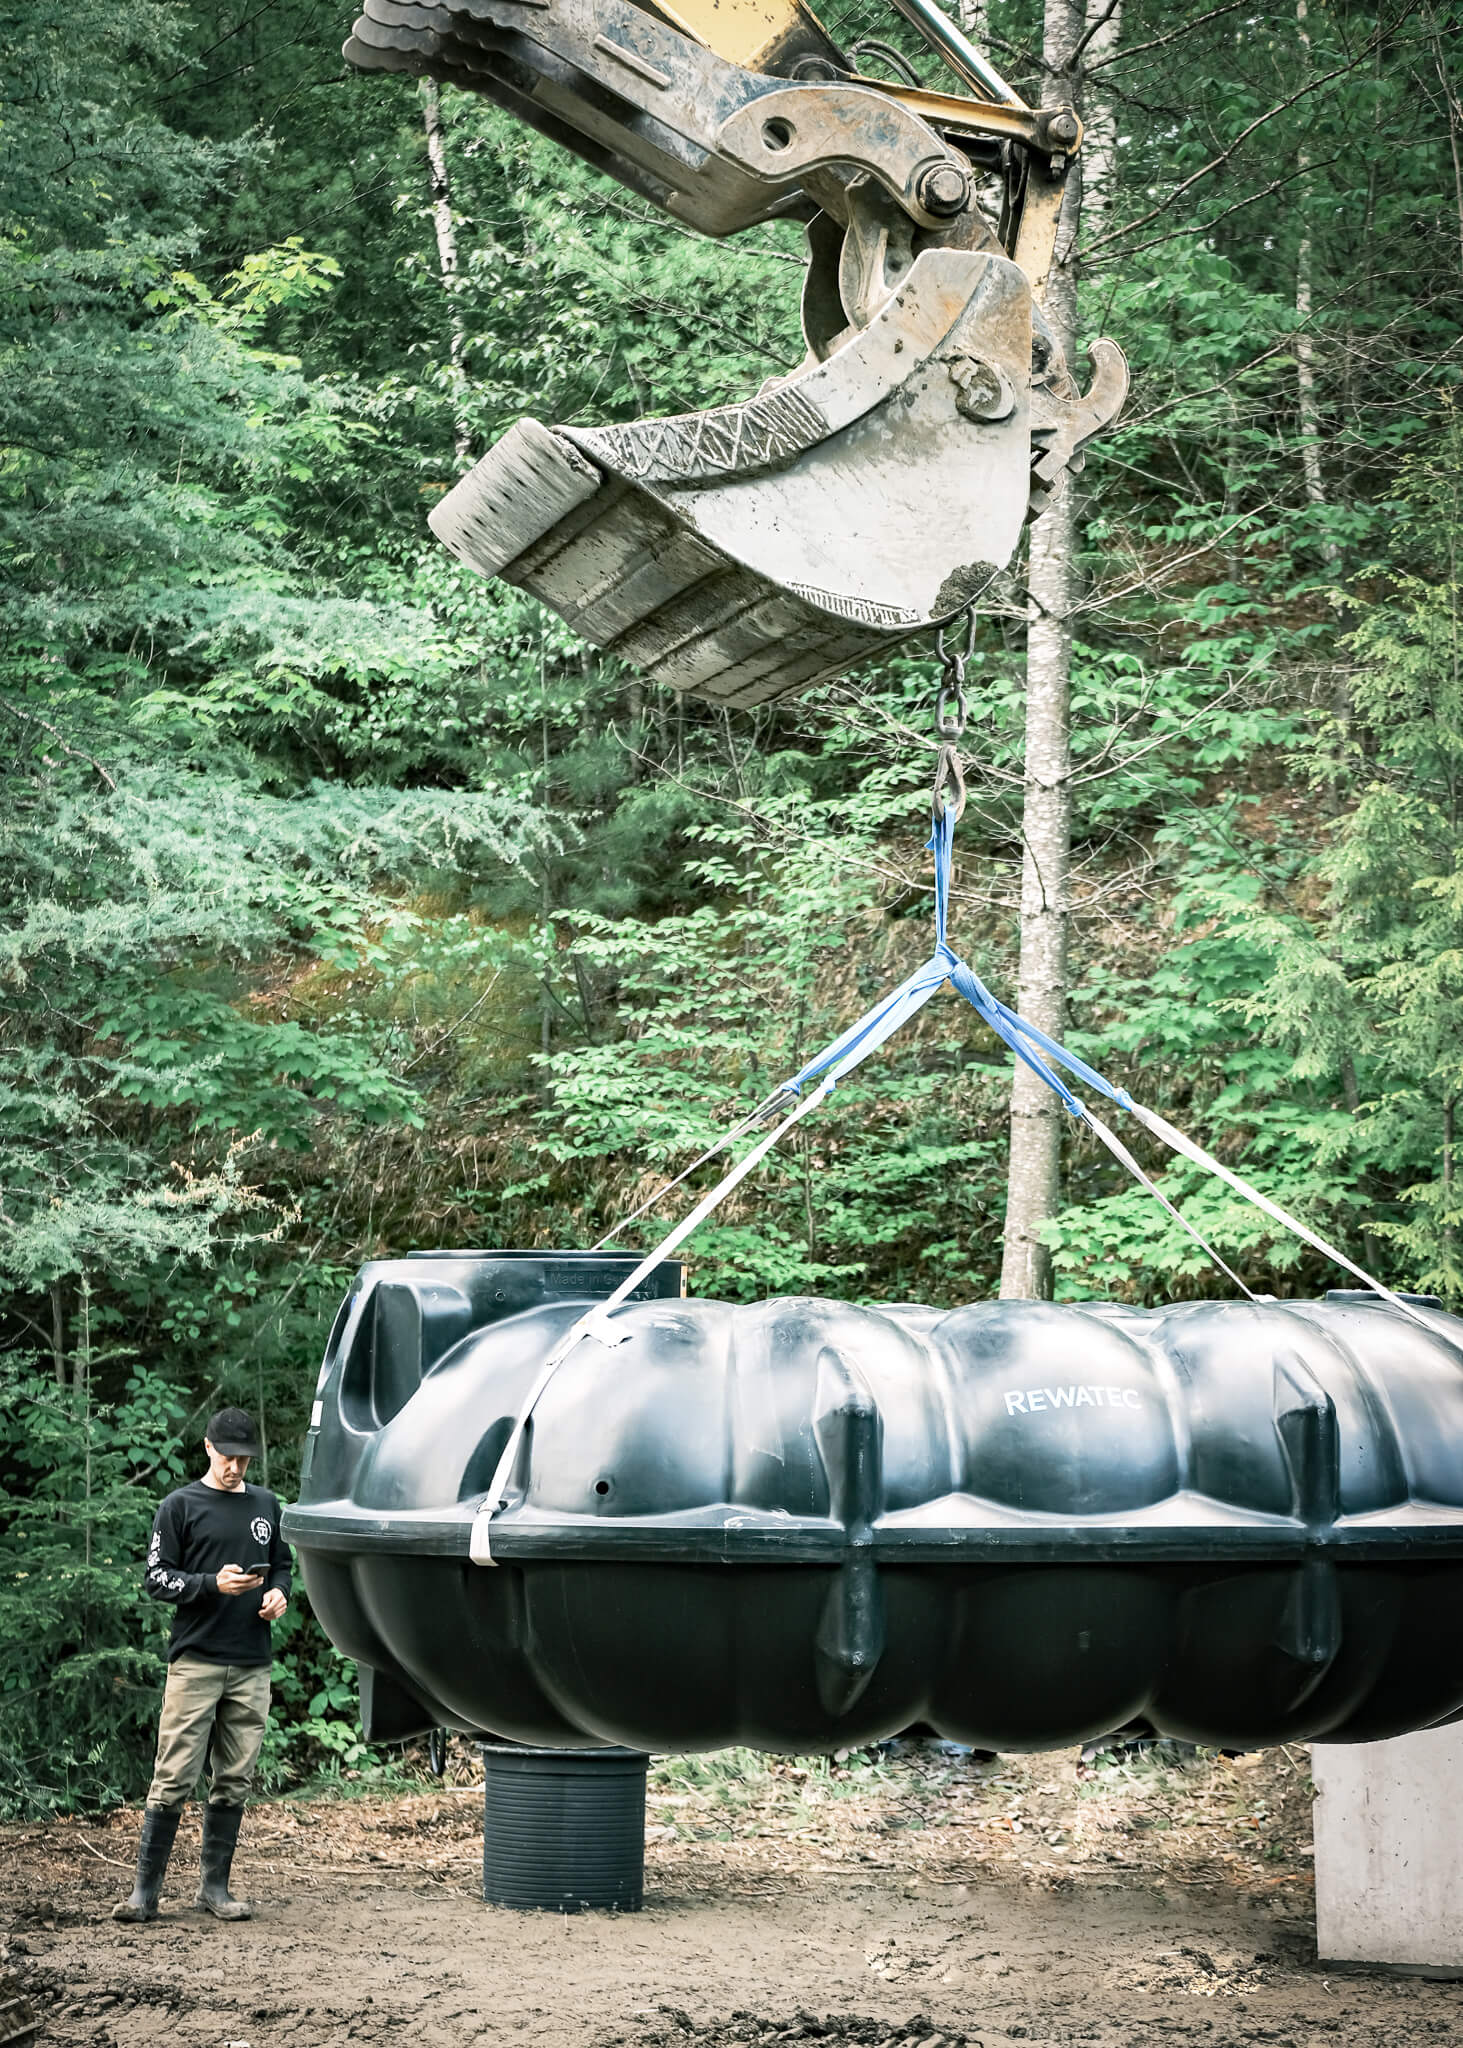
column 232, row 1580
column 272, row 1606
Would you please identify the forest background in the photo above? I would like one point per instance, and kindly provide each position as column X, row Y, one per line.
column 352, row 906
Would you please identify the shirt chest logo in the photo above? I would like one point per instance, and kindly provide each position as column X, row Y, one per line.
column 260, row 1529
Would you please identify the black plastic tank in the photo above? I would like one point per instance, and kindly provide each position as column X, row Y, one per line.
column 803, row 1524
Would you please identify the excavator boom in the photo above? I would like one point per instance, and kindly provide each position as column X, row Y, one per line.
column 750, row 551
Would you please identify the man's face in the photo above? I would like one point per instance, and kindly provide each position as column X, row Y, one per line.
column 224, row 1470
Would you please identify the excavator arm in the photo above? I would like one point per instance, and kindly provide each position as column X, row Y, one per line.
column 752, row 550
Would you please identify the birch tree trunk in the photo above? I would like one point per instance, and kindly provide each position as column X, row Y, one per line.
column 1307, row 404
column 58, row 1335
column 1305, row 378
column 1453, row 104
column 446, row 231
column 1100, row 114
column 1034, row 1169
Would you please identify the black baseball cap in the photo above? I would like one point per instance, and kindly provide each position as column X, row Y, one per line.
column 231, row 1432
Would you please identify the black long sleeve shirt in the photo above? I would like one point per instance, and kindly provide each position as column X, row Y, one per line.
column 197, row 1531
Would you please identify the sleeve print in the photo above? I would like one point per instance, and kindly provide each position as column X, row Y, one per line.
column 280, row 1574
column 165, row 1578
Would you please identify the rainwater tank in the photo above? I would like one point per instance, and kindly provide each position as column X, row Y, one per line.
column 803, row 1525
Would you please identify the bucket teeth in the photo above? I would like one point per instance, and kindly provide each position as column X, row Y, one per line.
column 622, row 571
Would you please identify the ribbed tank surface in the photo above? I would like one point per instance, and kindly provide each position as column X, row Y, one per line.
column 802, row 1524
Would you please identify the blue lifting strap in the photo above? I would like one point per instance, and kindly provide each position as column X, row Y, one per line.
column 1041, row 1053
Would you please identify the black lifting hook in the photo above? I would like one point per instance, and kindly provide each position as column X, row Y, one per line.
column 951, row 713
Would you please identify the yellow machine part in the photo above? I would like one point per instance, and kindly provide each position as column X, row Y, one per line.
column 754, row 33
column 745, row 32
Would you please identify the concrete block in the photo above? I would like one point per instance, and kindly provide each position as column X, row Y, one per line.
column 1388, row 1824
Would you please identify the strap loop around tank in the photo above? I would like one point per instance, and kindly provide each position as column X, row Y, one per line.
column 596, row 1323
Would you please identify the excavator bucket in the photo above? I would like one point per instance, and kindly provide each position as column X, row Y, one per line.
column 752, row 550
column 749, row 551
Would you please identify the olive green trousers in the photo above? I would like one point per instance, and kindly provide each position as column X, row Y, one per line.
column 227, row 1703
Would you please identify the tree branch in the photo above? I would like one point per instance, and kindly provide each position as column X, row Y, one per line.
column 1204, row 227
column 1215, row 163
column 1157, row 42
column 78, row 753
column 1095, row 28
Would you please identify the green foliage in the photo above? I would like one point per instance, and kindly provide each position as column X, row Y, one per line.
column 1370, row 986
column 714, row 1007
column 78, row 1695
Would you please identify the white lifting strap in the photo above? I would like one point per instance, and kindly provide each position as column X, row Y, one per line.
column 596, row 1323
column 839, row 1058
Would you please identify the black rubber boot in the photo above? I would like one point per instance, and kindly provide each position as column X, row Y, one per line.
column 220, row 1838
column 159, row 1831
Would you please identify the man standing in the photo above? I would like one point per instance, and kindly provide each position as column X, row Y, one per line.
column 214, row 1544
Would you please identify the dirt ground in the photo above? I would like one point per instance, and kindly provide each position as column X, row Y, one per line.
column 869, row 1903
